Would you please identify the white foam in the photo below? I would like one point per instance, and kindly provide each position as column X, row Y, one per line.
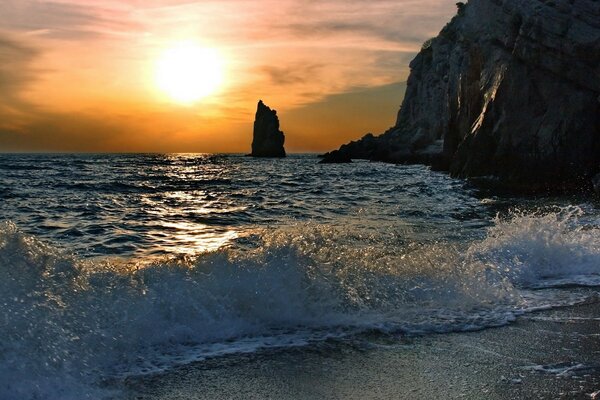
column 68, row 323
column 562, row 369
column 537, row 250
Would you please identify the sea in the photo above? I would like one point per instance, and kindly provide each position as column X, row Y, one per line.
column 117, row 266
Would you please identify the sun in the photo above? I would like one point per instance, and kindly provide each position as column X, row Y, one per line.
column 188, row 72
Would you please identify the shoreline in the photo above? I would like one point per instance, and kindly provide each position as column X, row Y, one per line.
column 542, row 355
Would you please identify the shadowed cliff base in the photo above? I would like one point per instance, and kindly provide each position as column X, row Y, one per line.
column 508, row 93
column 267, row 140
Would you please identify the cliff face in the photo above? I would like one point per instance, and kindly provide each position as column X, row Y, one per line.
column 509, row 89
column 267, row 140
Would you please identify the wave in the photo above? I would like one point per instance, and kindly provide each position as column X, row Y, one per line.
column 544, row 249
column 68, row 324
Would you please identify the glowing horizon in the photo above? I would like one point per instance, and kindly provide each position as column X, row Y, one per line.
column 88, row 77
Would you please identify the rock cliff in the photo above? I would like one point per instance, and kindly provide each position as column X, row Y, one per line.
column 267, row 140
column 508, row 92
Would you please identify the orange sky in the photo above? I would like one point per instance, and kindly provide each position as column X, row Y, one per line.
column 81, row 75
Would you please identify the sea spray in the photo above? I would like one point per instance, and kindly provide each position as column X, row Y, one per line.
column 69, row 324
column 543, row 249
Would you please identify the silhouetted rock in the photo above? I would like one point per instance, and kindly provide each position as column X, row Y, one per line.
column 335, row 157
column 510, row 89
column 364, row 148
column 267, row 140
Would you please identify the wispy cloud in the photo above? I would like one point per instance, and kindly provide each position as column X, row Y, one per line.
column 16, row 75
column 62, row 20
column 402, row 23
column 293, row 74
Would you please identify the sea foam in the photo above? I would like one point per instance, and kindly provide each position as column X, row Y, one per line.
column 537, row 250
column 69, row 324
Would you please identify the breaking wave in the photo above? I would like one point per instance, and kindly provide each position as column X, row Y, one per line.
column 70, row 324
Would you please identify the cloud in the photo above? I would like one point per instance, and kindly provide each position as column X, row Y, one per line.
column 57, row 20
column 406, row 23
column 407, row 38
column 15, row 70
column 292, row 74
column 16, row 74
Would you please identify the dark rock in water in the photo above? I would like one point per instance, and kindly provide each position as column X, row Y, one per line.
column 365, row 148
column 335, row 157
column 510, row 89
column 267, row 140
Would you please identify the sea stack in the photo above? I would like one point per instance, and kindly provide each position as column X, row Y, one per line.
column 508, row 93
column 267, row 140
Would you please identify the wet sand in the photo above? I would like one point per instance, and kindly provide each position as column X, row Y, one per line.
column 544, row 355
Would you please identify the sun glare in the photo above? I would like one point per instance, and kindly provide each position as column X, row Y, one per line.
column 188, row 72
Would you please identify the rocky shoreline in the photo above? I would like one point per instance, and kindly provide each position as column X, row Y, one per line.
column 508, row 94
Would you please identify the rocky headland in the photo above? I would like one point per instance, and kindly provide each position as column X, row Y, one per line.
column 267, row 140
column 508, row 93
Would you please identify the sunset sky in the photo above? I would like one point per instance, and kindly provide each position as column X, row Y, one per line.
column 83, row 75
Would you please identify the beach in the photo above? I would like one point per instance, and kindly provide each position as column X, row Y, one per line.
column 543, row 355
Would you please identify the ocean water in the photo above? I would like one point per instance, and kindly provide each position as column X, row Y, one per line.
column 116, row 266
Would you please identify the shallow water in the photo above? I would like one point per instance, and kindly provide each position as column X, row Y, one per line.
column 124, row 265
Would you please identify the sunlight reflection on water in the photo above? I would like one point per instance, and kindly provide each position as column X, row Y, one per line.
column 185, row 204
column 191, row 238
